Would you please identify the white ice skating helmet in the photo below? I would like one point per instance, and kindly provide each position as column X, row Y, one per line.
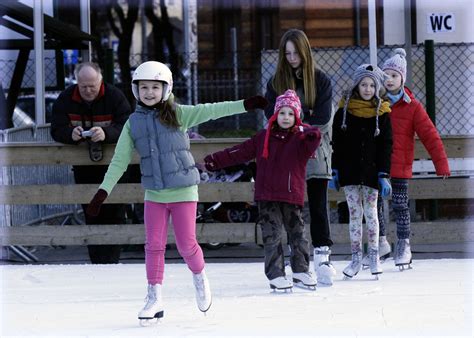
column 153, row 71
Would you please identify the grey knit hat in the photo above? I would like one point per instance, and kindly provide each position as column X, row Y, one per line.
column 376, row 74
column 397, row 63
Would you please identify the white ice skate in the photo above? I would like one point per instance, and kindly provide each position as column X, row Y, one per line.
column 323, row 268
column 375, row 268
column 304, row 280
column 384, row 252
column 203, row 291
column 354, row 267
column 281, row 284
column 153, row 310
column 403, row 254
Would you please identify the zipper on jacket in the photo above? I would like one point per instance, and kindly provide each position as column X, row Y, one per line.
column 289, row 182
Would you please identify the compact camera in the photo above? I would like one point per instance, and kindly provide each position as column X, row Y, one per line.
column 87, row 133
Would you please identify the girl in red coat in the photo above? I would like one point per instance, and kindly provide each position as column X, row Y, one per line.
column 408, row 117
column 281, row 151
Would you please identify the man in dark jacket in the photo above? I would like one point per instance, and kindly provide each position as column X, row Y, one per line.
column 92, row 112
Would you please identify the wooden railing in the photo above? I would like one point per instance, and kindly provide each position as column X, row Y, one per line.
column 13, row 154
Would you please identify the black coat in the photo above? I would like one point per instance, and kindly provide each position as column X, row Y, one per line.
column 358, row 154
column 110, row 110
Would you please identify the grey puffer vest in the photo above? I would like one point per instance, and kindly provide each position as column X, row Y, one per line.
column 165, row 159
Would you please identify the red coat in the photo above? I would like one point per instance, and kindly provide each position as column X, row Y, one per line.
column 282, row 176
column 408, row 118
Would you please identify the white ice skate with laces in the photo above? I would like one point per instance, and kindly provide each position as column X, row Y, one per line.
column 153, row 310
column 384, row 252
column 375, row 268
column 203, row 291
column 403, row 255
column 281, row 284
column 323, row 268
column 354, row 267
column 304, row 280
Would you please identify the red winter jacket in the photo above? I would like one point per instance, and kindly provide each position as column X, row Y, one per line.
column 282, row 176
column 409, row 117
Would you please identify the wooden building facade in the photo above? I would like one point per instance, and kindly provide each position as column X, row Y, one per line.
column 260, row 24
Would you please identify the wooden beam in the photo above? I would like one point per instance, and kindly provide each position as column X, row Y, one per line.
column 17, row 153
column 430, row 188
column 454, row 231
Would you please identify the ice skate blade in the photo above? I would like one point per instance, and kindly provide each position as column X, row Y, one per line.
column 324, row 283
column 147, row 321
column 281, row 290
column 205, row 311
column 301, row 285
column 376, row 274
column 403, row 267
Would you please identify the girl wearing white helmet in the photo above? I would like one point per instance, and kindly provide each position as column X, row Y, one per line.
column 157, row 131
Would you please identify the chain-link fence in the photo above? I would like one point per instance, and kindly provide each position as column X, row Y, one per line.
column 454, row 77
column 193, row 82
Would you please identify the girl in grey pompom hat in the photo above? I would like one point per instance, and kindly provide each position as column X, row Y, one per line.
column 362, row 144
column 378, row 76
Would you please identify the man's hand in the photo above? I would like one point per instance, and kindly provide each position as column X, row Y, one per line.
column 77, row 134
column 98, row 134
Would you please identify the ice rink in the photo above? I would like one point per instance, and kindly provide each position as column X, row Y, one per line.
column 435, row 298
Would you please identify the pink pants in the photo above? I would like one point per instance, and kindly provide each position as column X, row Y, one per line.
column 157, row 216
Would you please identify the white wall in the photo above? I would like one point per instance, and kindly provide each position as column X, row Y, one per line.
column 462, row 11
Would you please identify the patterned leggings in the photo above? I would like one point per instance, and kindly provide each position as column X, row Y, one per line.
column 400, row 207
column 362, row 200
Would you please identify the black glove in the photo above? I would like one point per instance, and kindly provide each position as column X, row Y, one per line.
column 255, row 102
column 209, row 163
column 93, row 208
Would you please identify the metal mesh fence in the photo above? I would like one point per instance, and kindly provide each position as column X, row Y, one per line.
column 28, row 83
column 454, row 76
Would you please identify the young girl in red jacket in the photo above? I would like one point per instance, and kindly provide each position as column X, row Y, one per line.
column 281, row 152
column 408, row 117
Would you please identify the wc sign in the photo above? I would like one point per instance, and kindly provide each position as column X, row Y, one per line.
column 440, row 22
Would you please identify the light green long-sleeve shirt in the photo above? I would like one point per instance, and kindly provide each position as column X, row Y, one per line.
column 188, row 116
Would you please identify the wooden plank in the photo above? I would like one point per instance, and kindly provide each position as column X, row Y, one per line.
column 430, row 188
column 122, row 193
column 118, row 234
column 441, row 231
column 17, row 153
column 56, row 153
column 452, row 231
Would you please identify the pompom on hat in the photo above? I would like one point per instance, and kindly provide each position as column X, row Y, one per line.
column 398, row 63
column 378, row 76
column 287, row 99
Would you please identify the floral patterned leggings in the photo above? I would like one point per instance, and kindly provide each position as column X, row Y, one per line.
column 362, row 201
